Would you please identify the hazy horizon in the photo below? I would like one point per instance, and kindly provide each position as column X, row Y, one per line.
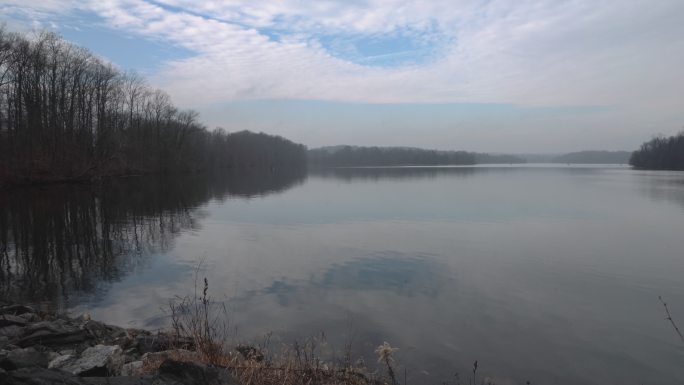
column 483, row 152
column 485, row 76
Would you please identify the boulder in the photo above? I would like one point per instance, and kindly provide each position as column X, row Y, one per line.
column 24, row 358
column 57, row 333
column 148, row 380
column 132, row 368
column 41, row 376
column 9, row 319
column 12, row 331
column 176, row 355
column 16, row 309
column 61, row 361
column 106, row 334
column 190, row 373
column 52, row 356
column 95, row 329
column 96, row 361
column 170, row 373
column 30, row 317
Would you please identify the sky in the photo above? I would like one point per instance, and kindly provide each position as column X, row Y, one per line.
column 523, row 76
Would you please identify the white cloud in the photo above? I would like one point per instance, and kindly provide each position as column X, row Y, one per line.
column 525, row 52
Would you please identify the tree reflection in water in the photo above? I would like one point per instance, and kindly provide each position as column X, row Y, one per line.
column 64, row 239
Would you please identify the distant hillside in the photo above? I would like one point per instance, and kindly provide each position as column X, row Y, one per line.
column 596, row 157
column 401, row 156
column 350, row 156
column 538, row 158
column 662, row 153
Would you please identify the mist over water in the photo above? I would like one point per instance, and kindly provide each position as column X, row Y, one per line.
column 546, row 274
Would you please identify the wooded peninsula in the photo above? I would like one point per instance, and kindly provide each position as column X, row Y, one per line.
column 660, row 153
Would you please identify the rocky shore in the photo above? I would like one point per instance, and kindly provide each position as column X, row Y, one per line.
column 41, row 348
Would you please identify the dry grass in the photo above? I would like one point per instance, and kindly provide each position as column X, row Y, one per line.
column 299, row 364
column 203, row 321
column 152, row 362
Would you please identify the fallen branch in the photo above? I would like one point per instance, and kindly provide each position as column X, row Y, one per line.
column 669, row 318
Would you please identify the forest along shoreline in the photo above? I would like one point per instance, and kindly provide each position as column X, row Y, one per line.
column 67, row 115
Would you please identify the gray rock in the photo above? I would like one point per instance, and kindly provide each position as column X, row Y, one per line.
column 30, row 317
column 41, row 376
column 9, row 319
column 117, row 333
column 148, row 380
column 96, row 329
column 176, row 355
column 96, row 361
column 189, row 373
column 53, row 326
column 61, row 361
column 24, row 358
column 171, row 374
column 16, row 309
column 106, row 334
column 12, row 331
column 4, row 377
column 53, row 333
column 132, row 368
column 131, row 354
column 52, row 356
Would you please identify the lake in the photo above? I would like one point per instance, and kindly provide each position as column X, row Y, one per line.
column 542, row 273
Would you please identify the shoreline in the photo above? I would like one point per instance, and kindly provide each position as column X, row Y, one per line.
column 38, row 347
column 43, row 347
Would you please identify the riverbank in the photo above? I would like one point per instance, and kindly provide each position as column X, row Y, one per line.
column 39, row 347
column 44, row 348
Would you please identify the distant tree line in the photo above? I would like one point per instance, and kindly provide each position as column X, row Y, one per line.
column 67, row 114
column 386, row 156
column 661, row 153
column 482, row 158
column 350, row 156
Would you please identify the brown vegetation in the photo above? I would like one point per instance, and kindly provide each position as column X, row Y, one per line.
column 65, row 114
column 201, row 320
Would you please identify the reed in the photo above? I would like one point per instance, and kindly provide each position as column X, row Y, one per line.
column 199, row 319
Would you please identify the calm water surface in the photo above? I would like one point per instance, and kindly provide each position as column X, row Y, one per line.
column 546, row 274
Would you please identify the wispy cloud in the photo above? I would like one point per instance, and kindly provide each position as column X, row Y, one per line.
column 536, row 52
